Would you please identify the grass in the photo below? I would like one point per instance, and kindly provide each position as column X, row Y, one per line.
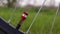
column 42, row 23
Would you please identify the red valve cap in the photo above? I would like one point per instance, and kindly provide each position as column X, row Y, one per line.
column 24, row 15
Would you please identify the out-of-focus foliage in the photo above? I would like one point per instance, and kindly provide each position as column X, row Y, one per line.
column 11, row 3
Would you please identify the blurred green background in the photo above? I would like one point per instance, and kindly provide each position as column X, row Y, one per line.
column 42, row 24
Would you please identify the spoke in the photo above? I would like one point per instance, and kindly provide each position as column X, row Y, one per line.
column 54, row 21
column 35, row 17
column 12, row 14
